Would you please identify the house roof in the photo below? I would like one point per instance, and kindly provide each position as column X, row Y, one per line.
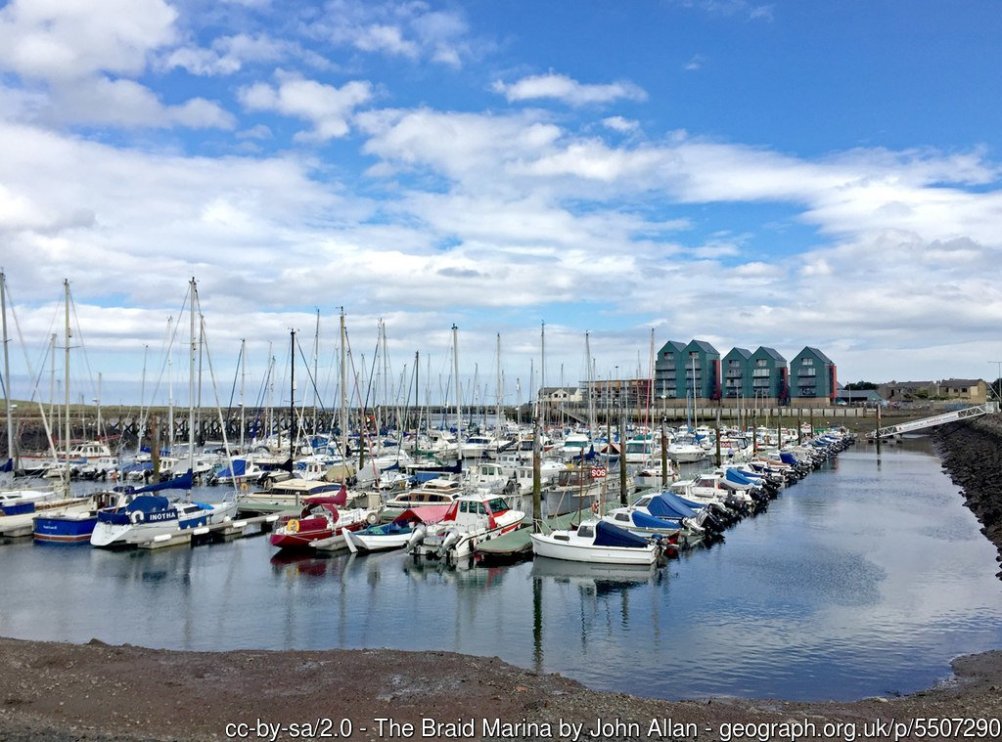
column 703, row 346
column 816, row 353
column 672, row 345
column 960, row 382
column 771, row 352
column 743, row 352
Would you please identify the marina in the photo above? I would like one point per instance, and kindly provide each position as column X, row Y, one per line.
column 884, row 580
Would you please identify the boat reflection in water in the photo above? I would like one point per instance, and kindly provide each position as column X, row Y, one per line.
column 308, row 564
column 596, row 578
column 469, row 578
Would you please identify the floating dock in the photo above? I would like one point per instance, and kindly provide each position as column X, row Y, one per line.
column 216, row 532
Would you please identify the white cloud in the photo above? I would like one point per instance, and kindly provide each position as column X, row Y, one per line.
column 125, row 103
column 328, row 108
column 620, row 124
column 408, row 30
column 68, row 39
column 567, row 90
column 226, row 55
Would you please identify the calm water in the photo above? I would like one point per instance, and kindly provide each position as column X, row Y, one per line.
column 863, row 579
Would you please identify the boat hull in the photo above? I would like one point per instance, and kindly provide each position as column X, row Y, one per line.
column 548, row 546
column 64, row 529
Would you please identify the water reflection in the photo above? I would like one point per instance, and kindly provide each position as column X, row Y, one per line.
column 853, row 582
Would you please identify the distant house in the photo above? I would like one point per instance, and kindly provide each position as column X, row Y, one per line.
column 869, row 397
column 618, row 393
column 669, row 371
column 702, row 370
column 736, row 374
column 907, row 391
column 560, row 394
column 972, row 391
column 813, row 376
column 769, row 375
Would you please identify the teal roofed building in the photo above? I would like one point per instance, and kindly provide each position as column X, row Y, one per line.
column 702, row 370
column 813, row 376
column 770, row 375
column 669, row 383
column 736, row 373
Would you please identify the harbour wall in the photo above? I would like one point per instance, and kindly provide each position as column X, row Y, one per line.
column 972, row 455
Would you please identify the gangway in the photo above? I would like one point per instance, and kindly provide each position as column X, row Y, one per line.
column 928, row 422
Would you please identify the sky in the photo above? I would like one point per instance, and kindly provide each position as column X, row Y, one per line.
column 783, row 174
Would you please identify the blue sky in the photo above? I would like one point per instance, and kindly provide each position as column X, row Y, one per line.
column 780, row 174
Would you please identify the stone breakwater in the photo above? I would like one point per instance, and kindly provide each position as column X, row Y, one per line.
column 972, row 456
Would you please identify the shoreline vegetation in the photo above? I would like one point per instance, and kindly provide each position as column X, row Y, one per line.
column 59, row 691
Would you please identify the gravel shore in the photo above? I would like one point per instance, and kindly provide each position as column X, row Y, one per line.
column 53, row 691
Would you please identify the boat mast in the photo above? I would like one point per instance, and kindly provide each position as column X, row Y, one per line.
column 589, row 388
column 243, row 381
column 497, row 418
column 11, row 448
column 66, row 374
column 191, row 380
column 316, row 362
column 344, row 389
column 292, row 398
column 455, row 371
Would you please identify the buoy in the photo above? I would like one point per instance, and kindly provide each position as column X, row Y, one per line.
column 292, row 526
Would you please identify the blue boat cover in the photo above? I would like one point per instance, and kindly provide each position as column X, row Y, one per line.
column 182, row 482
column 788, row 458
column 606, row 534
column 237, row 468
column 643, row 520
column 733, row 475
column 670, row 505
column 7, row 466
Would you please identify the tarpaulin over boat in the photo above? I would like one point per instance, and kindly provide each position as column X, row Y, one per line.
column 669, row 505
column 733, row 475
column 607, row 534
column 788, row 458
column 643, row 520
column 181, row 482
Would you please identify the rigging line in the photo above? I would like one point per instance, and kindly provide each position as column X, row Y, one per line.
column 309, row 375
column 215, row 392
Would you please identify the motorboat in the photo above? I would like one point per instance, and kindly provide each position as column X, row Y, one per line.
column 596, row 541
column 470, row 519
column 396, row 533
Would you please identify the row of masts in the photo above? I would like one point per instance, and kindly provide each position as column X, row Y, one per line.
column 197, row 345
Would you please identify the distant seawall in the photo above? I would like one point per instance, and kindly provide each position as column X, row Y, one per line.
column 972, row 455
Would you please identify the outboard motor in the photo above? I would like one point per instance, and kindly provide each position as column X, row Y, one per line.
column 416, row 537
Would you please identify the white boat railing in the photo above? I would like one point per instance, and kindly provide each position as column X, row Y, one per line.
column 928, row 422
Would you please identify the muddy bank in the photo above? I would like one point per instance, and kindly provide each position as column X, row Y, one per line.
column 52, row 691
column 972, row 456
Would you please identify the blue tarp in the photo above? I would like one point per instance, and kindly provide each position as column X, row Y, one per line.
column 733, row 475
column 669, row 505
column 788, row 458
column 8, row 466
column 237, row 468
column 643, row 520
column 183, row 482
column 606, row 534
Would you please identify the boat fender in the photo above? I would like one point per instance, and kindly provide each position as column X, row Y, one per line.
column 372, row 519
column 136, row 515
column 244, row 486
column 292, row 526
